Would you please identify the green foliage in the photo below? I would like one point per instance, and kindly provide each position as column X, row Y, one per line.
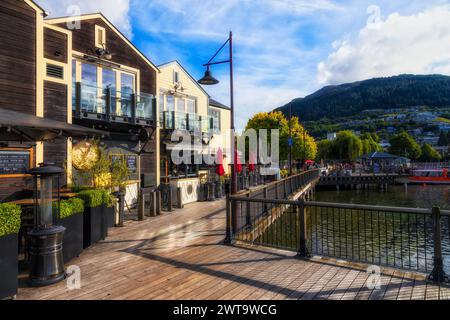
column 304, row 146
column 444, row 139
column 9, row 219
column 403, row 145
column 429, row 154
column 325, row 150
column 348, row 146
column 93, row 198
column 379, row 93
column 119, row 173
column 370, row 143
column 70, row 207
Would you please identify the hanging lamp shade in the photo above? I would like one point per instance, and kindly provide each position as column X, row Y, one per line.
column 208, row 79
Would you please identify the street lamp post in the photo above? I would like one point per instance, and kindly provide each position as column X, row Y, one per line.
column 290, row 139
column 208, row 79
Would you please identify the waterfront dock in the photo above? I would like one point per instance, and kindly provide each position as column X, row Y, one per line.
column 182, row 256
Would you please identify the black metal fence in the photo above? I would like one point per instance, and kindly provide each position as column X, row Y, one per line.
column 405, row 238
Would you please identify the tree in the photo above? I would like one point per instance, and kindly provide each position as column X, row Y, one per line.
column 429, row 154
column 443, row 139
column 348, row 146
column 370, row 143
column 304, row 146
column 404, row 145
column 324, row 150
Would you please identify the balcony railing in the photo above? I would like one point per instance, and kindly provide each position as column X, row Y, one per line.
column 111, row 105
column 171, row 120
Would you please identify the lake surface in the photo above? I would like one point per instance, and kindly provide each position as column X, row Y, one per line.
column 372, row 236
column 396, row 196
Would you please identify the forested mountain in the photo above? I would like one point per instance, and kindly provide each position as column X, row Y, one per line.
column 378, row 93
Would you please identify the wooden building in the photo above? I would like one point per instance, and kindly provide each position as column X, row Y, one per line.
column 77, row 70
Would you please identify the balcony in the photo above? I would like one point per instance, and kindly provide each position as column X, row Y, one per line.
column 91, row 102
column 171, row 120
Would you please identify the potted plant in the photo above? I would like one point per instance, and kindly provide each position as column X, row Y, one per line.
column 9, row 228
column 108, row 209
column 93, row 218
column 71, row 217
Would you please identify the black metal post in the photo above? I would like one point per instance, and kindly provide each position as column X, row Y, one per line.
column 438, row 274
column 78, row 100
column 303, row 250
column 133, row 108
column 121, row 197
column 228, row 234
column 141, row 205
column 290, row 139
column 108, row 105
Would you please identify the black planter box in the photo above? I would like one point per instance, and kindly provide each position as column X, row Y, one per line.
column 8, row 265
column 93, row 225
column 73, row 236
column 109, row 218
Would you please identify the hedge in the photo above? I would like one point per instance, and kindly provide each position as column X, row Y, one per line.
column 71, row 207
column 95, row 198
column 9, row 218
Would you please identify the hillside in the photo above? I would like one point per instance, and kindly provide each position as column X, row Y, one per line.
column 378, row 93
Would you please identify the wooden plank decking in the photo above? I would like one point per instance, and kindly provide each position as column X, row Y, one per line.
column 180, row 256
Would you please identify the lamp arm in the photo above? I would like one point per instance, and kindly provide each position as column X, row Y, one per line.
column 214, row 63
column 218, row 51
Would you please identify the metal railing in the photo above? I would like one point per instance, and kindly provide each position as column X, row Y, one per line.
column 112, row 105
column 191, row 122
column 405, row 238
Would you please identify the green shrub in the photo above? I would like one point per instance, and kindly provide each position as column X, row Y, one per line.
column 108, row 198
column 71, row 207
column 77, row 205
column 95, row 198
column 9, row 218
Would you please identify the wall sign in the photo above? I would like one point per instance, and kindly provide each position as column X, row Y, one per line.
column 14, row 162
column 132, row 163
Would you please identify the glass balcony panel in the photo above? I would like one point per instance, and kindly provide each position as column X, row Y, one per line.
column 92, row 99
column 126, row 105
column 144, row 106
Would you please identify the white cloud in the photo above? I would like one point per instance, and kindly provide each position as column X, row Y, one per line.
column 418, row 44
column 272, row 64
column 117, row 11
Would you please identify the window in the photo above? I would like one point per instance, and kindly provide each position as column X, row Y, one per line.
column 126, row 91
column 55, row 71
column 109, row 82
column 190, row 106
column 90, row 101
column 100, row 36
column 180, row 105
column 175, row 77
column 214, row 116
column 170, row 103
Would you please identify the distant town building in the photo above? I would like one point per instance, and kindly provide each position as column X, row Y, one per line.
column 331, row 136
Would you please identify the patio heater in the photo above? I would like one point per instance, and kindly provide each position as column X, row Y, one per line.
column 45, row 240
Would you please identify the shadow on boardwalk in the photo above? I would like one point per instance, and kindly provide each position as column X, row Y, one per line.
column 181, row 256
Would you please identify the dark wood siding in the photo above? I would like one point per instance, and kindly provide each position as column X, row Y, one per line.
column 17, row 56
column 55, row 108
column 84, row 40
column 54, row 42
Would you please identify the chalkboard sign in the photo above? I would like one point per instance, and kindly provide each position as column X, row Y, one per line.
column 14, row 161
column 132, row 163
column 116, row 157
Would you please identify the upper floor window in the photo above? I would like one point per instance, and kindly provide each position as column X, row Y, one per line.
column 176, row 78
column 190, row 106
column 214, row 115
column 100, row 36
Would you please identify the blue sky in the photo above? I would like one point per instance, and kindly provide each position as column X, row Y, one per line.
column 283, row 48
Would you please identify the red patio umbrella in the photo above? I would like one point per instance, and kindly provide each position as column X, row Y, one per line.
column 252, row 162
column 219, row 163
column 237, row 162
column 309, row 162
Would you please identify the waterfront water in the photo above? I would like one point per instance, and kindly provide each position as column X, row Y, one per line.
column 372, row 236
column 416, row 196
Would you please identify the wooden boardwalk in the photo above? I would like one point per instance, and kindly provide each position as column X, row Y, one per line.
column 180, row 256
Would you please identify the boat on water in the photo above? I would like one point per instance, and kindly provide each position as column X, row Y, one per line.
column 430, row 176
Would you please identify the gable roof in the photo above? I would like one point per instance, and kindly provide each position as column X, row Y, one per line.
column 217, row 104
column 185, row 71
column 379, row 155
column 99, row 15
